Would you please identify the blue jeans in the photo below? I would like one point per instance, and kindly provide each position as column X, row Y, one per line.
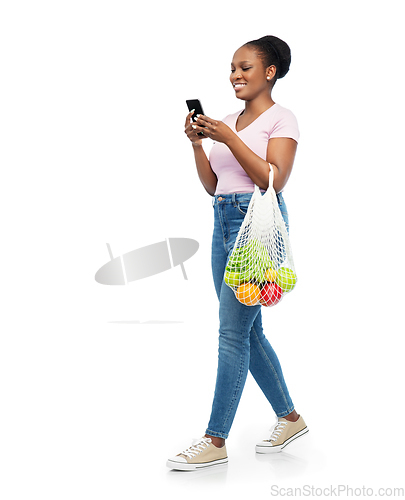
column 242, row 344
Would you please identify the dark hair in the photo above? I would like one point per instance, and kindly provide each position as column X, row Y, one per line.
column 273, row 51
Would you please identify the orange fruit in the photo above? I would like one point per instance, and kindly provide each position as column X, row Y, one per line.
column 248, row 294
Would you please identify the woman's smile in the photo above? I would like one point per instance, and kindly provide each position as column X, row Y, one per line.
column 238, row 85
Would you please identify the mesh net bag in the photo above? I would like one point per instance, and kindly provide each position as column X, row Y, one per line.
column 260, row 269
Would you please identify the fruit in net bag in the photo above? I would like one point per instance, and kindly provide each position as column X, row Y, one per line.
column 248, row 294
column 262, row 252
column 270, row 294
column 286, row 279
column 233, row 279
column 270, row 275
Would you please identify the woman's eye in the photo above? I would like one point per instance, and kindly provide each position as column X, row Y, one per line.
column 243, row 69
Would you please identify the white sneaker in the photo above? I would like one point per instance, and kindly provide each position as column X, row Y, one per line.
column 284, row 432
column 202, row 453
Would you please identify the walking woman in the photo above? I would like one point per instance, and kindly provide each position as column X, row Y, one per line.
column 246, row 143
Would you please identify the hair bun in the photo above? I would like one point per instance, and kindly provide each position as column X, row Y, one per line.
column 282, row 51
column 273, row 51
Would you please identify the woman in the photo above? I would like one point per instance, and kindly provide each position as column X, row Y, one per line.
column 246, row 143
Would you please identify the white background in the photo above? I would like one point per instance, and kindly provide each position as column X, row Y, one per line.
column 93, row 151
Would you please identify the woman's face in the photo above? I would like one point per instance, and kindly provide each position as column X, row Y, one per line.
column 248, row 75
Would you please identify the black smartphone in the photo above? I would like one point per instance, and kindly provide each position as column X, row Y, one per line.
column 196, row 105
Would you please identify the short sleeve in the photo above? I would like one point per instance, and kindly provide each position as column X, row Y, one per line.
column 285, row 124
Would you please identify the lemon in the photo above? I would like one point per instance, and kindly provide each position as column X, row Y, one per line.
column 270, row 275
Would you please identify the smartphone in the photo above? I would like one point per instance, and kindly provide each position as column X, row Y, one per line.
column 196, row 105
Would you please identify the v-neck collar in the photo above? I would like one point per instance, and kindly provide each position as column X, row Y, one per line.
column 251, row 123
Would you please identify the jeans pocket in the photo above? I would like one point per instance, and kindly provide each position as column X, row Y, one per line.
column 242, row 206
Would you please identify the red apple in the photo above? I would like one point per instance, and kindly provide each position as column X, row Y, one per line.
column 270, row 294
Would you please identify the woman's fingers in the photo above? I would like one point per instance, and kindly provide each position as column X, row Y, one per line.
column 192, row 133
column 188, row 125
column 189, row 117
column 193, row 129
column 205, row 121
column 197, row 129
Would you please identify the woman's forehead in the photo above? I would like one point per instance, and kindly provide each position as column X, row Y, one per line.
column 244, row 55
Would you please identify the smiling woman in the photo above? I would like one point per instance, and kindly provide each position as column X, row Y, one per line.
column 246, row 144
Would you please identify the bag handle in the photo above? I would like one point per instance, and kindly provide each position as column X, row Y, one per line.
column 271, row 175
column 271, row 179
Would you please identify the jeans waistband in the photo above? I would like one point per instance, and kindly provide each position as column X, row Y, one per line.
column 234, row 198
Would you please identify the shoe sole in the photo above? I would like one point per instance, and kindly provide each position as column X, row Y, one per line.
column 182, row 466
column 276, row 449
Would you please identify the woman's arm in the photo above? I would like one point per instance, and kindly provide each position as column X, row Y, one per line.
column 205, row 173
column 280, row 154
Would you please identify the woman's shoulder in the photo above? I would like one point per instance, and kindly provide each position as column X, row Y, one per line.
column 282, row 115
column 282, row 111
column 283, row 123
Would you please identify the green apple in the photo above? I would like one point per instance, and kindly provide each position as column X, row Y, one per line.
column 286, row 279
column 233, row 279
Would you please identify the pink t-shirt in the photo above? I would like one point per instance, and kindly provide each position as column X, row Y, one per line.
column 274, row 122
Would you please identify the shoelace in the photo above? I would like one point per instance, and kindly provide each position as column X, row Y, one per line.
column 278, row 429
column 197, row 447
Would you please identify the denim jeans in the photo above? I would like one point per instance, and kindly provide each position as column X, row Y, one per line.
column 242, row 344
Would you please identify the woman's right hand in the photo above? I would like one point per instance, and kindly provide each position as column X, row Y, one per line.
column 191, row 133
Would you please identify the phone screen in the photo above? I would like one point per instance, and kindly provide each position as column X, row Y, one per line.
column 195, row 104
column 198, row 110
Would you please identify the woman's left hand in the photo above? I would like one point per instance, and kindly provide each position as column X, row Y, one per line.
column 215, row 130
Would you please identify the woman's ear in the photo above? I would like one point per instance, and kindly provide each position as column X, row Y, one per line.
column 270, row 72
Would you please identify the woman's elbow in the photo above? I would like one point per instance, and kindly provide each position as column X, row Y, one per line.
column 280, row 177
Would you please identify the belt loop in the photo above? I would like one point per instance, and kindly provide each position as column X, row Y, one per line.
column 234, row 199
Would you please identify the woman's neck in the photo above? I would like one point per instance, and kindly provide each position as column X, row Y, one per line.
column 258, row 106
